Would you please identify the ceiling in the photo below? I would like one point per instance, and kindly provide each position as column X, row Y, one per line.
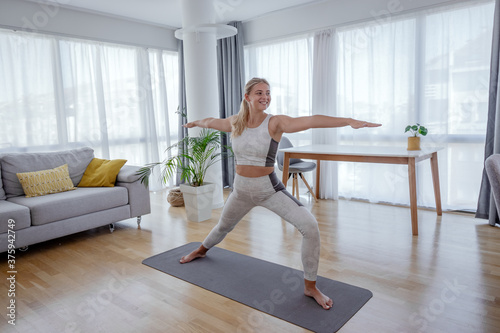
column 168, row 12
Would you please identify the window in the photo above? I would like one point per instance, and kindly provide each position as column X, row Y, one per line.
column 430, row 67
column 287, row 67
column 59, row 93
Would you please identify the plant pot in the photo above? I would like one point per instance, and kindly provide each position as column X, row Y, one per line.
column 198, row 201
column 414, row 143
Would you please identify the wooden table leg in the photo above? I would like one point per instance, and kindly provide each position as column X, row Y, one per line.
column 412, row 177
column 435, row 180
column 286, row 165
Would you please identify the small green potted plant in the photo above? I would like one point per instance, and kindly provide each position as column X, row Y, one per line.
column 194, row 156
column 414, row 139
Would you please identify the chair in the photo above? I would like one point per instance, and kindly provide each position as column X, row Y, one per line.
column 296, row 168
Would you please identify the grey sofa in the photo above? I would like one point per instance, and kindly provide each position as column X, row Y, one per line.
column 37, row 219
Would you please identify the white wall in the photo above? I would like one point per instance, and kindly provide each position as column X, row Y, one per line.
column 326, row 14
column 25, row 15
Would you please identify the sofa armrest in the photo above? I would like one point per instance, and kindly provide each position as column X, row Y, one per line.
column 138, row 194
column 128, row 174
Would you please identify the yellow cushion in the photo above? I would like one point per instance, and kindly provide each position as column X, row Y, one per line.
column 101, row 173
column 44, row 182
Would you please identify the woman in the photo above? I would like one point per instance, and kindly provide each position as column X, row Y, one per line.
column 255, row 137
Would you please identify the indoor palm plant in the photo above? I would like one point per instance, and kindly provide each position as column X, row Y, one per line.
column 414, row 139
column 194, row 157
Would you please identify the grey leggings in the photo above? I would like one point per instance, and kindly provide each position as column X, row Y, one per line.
column 269, row 192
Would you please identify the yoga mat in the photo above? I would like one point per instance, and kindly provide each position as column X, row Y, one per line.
column 271, row 288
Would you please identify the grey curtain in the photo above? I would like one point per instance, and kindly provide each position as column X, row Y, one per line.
column 486, row 207
column 182, row 131
column 231, row 70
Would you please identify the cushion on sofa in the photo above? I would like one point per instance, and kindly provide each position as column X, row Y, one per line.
column 101, row 173
column 18, row 213
column 2, row 192
column 64, row 205
column 77, row 160
column 44, row 182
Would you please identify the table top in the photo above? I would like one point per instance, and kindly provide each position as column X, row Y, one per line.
column 383, row 151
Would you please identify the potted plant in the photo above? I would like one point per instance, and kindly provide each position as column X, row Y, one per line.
column 194, row 156
column 414, row 139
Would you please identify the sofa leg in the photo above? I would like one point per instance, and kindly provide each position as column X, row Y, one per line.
column 111, row 227
column 23, row 249
column 139, row 221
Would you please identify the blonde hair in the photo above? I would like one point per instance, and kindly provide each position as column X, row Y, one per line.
column 239, row 123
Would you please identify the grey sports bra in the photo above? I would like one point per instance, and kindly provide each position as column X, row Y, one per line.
column 255, row 146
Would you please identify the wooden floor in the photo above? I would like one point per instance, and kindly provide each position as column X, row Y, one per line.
column 447, row 279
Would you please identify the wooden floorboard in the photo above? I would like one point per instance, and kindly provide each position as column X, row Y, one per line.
column 446, row 279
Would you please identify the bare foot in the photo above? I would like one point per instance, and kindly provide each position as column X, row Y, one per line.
column 311, row 291
column 198, row 253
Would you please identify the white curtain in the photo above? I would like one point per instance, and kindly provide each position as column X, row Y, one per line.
column 287, row 65
column 429, row 67
column 324, row 102
column 376, row 82
column 58, row 93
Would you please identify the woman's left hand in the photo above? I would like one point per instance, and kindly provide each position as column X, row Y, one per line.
column 360, row 124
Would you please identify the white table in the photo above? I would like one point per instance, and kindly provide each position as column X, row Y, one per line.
column 369, row 154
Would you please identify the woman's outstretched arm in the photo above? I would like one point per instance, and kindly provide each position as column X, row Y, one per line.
column 218, row 124
column 288, row 124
